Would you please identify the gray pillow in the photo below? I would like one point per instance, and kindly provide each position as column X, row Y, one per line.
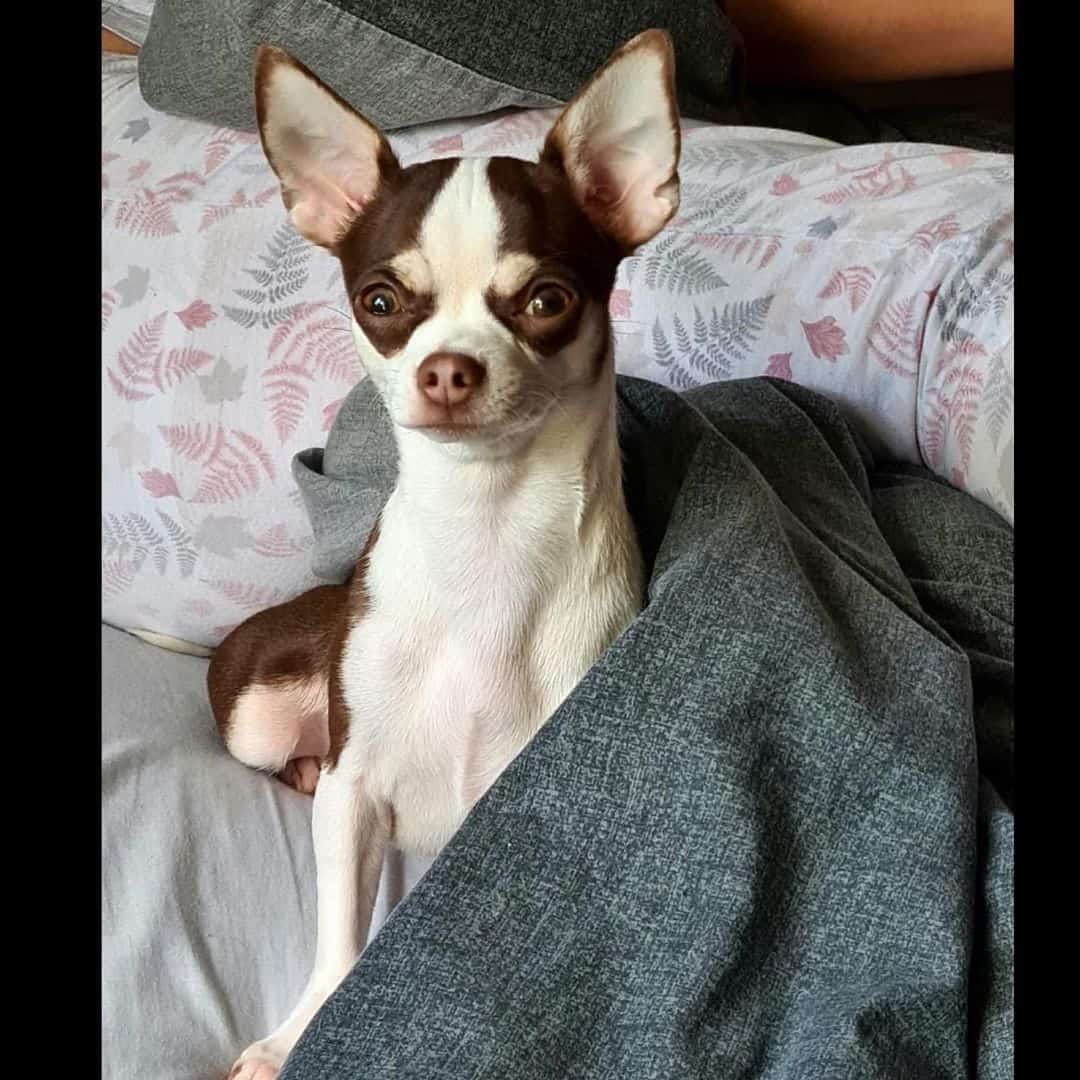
column 404, row 62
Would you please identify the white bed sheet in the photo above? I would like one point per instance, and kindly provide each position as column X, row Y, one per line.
column 208, row 878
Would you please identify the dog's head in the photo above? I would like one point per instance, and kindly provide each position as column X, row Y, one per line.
column 479, row 287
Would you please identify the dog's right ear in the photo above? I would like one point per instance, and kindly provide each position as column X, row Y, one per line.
column 618, row 142
column 329, row 159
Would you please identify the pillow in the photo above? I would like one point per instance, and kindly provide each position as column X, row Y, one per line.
column 404, row 63
column 878, row 275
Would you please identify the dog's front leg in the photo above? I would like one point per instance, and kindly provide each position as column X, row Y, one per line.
column 350, row 836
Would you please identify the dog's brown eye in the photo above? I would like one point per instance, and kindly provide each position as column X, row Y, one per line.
column 380, row 300
column 548, row 301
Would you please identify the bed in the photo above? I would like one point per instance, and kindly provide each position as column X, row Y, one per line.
column 877, row 275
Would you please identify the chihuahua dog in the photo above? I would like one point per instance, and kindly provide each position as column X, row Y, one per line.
column 504, row 561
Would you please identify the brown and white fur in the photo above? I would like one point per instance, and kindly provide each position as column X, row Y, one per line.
column 504, row 562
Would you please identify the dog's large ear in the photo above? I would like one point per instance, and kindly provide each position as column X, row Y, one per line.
column 329, row 159
column 618, row 141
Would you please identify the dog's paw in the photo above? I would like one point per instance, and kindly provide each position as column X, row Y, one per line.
column 302, row 773
column 253, row 1070
column 257, row 1062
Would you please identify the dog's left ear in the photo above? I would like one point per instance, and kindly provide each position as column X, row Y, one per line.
column 330, row 159
column 618, row 142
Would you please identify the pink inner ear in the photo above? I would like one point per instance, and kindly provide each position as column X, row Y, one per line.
column 323, row 210
column 619, row 193
column 601, row 188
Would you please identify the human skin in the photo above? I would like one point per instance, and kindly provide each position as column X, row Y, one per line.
column 866, row 41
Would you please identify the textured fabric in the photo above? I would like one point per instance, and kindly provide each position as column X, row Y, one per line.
column 208, row 878
column 129, row 19
column 226, row 349
column 416, row 61
column 756, row 840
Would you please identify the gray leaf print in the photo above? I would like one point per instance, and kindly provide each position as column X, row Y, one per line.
column 823, row 229
column 224, row 535
column 136, row 129
column 223, row 383
column 133, row 288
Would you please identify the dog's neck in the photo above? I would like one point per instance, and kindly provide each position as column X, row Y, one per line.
column 561, row 485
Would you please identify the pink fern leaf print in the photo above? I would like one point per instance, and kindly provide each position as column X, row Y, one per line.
column 287, row 389
column 779, row 366
column 196, row 315
column 317, row 343
column 137, row 171
column 148, row 211
column 284, row 329
column 881, row 181
column 117, row 576
column 143, row 214
column 192, row 443
column 964, row 349
column 219, row 211
column 245, row 594
column 233, row 466
column 276, row 543
column 134, row 377
column 952, row 413
column 784, row 184
column 107, row 157
column 330, row 413
column 123, row 390
column 161, row 485
column 826, row 339
column 895, row 338
column 255, row 448
column 326, row 346
column 108, row 302
column 935, row 232
column 853, row 281
column 265, row 196
column 742, row 247
column 178, row 364
column 219, row 146
column 179, row 187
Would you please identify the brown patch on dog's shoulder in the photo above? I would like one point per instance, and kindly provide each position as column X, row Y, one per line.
column 354, row 609
column 389, row 225
column 286, row 643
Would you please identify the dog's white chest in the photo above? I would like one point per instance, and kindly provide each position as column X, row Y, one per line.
column 442, row 692
column 487, row 607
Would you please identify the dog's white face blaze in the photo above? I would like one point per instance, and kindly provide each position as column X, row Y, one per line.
column 458, row 261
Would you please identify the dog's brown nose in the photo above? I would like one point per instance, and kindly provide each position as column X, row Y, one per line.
column 447, row 378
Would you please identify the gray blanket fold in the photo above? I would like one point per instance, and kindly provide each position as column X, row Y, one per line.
column 404, row 62
column 769, row 834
